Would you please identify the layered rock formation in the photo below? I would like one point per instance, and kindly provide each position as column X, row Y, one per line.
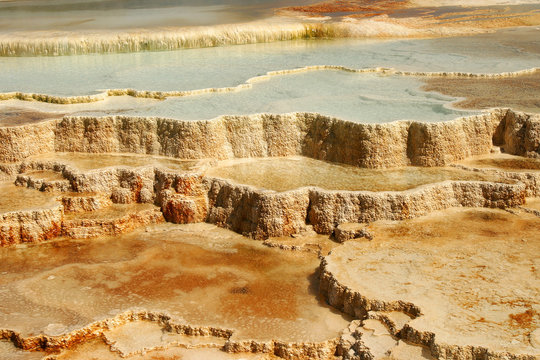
column 30, row 225
column 193, row 197
column 313, row 135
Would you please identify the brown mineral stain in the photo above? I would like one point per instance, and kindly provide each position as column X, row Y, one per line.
column 154, row 283
column 366, row 8
column 524, row 319
column 15, row 116
column 409, row 15
column 282, row 304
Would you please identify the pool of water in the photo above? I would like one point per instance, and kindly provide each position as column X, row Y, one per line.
column 15, row 198
column 31, row 15
column 504, row 162
column 506, row 50
column 199, row 273
column 282, row 174
column 91, row 161
column 368, row 98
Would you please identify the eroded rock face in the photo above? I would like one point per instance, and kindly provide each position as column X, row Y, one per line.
column 330, row 208
column 519, row 134
column 22, row 141
column 437, row 144
column 257, row 213
column 80, row 203
column 87, row 200
column 110, row 224
column 367, row 145
column 349, row 231
column 30, row 225
column 193, row 197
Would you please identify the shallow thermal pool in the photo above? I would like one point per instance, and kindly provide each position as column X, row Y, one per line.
column 505, row 50
column 199, row 274
column 504, row 162
column 367, row 98
column 282, row 174
column 54, row 15
column 91, row 161
column 15, row 198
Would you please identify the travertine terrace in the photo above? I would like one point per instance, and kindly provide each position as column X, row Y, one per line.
column 192, row 196
column 164, row 177
column 353, row 180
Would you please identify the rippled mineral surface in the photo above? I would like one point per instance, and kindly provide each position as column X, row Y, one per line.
column 279, row 179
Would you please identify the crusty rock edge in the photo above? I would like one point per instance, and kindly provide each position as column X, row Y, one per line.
column 193, row 197
column 248, row 84
column 357, row 305
column 283, row 349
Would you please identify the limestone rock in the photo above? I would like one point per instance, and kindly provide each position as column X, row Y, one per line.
column 81, row 228
column 85, row 202
column 30, row 226
column 348, row 231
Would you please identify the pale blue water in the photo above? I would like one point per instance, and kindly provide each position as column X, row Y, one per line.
column 367, row 98
column 233, row 65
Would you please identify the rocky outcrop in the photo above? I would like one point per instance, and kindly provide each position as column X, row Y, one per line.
column 349, row 231
column 313, row 135
column 438, row 144
column 83, row 228
column 328, row 209
column 182, row 197
column 192, row 197
column 36, row 183
column 122, row 184
column 80, row 202
column 257, row 213
column 519, row 134
column 30, row 226
column 45, row 342
column 359, row 280
column 531, row 179
column 263, row 214
column 283, row 349
column 22, row 141
column 355, row 304
column 363, row 145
